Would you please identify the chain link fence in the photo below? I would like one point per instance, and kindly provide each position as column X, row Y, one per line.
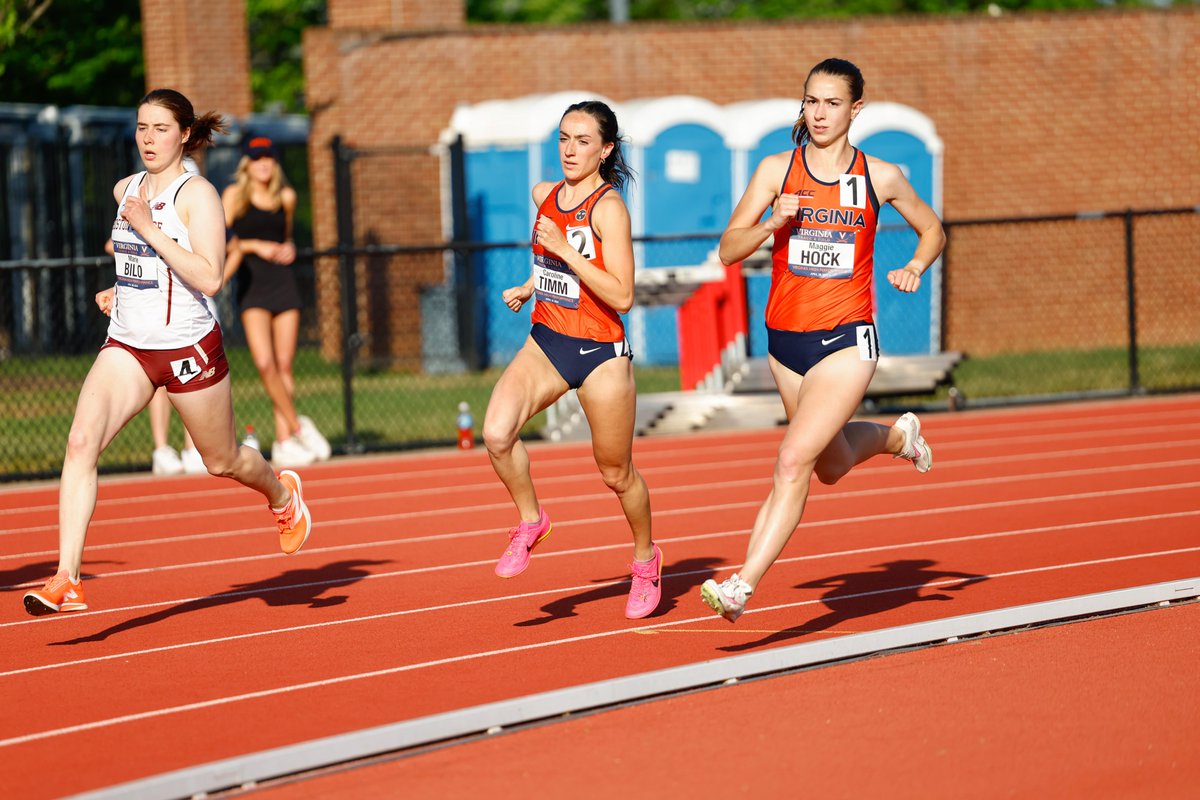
column 1080, row 305
column 394, row 337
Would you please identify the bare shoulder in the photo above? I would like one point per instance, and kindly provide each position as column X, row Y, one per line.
column 610, row 211
column 887, row 178
column 611, row 200
column 122, row 185
column 196, row 190
column 775, row 164
column 542, row 190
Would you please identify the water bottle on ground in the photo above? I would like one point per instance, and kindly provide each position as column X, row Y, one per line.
column 251, row 438
column 466, row 426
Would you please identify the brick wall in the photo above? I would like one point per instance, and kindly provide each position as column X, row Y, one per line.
column 200, row 49
column 397, row 14
column 1040, row 113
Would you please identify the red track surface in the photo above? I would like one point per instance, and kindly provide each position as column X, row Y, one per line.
column 205, row 643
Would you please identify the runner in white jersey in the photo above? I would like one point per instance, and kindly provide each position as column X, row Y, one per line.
column 153, row 308
column 165, row 459
column 169, row 246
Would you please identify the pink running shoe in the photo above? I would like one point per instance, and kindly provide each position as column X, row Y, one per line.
column 646, row 588
column 521, row 541
column 727, row 598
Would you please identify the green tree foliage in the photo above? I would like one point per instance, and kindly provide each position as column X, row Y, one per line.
column 276, row 56
column 71, row 52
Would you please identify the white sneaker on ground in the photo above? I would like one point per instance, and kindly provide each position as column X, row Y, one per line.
column 916, row 449
column 313, row 441
column 193, row 464
column 291, row 453
column 727, row 598
column 165, row 461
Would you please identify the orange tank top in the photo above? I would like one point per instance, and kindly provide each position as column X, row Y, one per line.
column 564, row 303
column 822, row 263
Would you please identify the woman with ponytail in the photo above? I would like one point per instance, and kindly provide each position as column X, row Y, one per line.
column 583, row 281
column 824, row 198
column 168, row 240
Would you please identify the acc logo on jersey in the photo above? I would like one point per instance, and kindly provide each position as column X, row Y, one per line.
column 185, row 369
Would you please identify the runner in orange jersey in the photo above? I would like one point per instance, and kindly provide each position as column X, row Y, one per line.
column 582, row 280
column 824, row 198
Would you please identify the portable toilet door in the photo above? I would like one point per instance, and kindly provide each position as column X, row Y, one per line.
column 681, row 187
column 908, row 323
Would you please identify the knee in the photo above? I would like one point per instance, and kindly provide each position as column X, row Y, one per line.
column 81, row 444
column 793, row 466
column 266, row 367
column 221, row 465
column 618, row 477
column 498, row 437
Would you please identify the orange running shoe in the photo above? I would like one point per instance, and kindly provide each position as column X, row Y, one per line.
column 59, row 594
column 294, row 521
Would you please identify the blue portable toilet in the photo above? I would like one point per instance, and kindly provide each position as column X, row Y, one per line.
column 908, row 324
column 682, row 179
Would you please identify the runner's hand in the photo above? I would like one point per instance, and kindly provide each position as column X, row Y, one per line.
column 516, row 296
column 905, row 279
column 104, row 300
column 784, row 211
column 136, row 211
column 551, row 237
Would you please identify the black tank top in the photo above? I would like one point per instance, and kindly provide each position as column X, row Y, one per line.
column 256, row 223
column 263, row 284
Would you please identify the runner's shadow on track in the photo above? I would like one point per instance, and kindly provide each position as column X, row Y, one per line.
column 32, row 576
column 677, row 580
column 292, row 588
column 861, row 594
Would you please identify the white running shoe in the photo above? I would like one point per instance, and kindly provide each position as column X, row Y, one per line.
column 312, row 439
column 193, row 464
column 916, row 449
column 165, row 461
column 291, row 453
column 727, row 598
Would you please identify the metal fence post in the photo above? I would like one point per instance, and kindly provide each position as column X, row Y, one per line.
column 1135, row 382
column 465, row 290
column 343, row 158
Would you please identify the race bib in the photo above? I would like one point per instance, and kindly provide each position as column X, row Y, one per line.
column 137, row 265
column 868, row 343
column 815, row 253
column 185, row 369
column 554, row 282
column 582, row 239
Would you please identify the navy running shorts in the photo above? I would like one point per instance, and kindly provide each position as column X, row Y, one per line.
column 800, row 351
column 576, row 358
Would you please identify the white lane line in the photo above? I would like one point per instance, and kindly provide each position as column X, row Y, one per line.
column 586, row 471
column 763, row 480
column 376, row 544
column 220, row 701
column 216, row 599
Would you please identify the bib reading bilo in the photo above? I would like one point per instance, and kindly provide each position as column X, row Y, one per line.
column 136, row 264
